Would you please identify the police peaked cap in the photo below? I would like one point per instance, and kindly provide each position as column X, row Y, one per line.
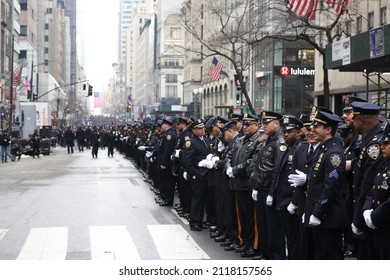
column 290, row 123
column 197, row 124
column 211, row 123
column 325, row 118
column 228, row 125
column 267, row 116
column 349, row 100
column 305, row 119
column 248, row 117
column 365, row 108
column 183, row 120
column 168, row 122
column 222, row 119
column 236, row 117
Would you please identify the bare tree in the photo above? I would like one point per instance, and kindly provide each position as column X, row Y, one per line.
column 319, row 24
column 226, row 28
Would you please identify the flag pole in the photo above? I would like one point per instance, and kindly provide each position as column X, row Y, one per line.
column 11, row 85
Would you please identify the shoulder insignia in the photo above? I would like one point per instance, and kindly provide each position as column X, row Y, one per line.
column 335, row 160
column 283, row 148
column 373, row 151
column 188, row 144
column 169, row 137
column 187, row 138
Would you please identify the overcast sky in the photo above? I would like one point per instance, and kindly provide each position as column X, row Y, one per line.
column 97, row 32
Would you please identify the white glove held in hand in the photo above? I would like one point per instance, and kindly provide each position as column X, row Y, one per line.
column 163, row 167
column 141, row 148
column 298, row 179
column 254, row 195
column 209, row 156
column 314, row 221
column 355, row 230
column 209, row 164
column 202, row 163
column 185, row 175
column 291, row 208
column 269, row 200
column 177, row 153
column 303, row 218
column 367, row 218
column 229, row 172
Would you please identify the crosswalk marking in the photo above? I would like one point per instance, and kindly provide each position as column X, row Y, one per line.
column 3, row 232
column 174, row 242
column 45, row 244
column 112, row 242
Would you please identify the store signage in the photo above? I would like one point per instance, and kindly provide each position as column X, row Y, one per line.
column 286, row 71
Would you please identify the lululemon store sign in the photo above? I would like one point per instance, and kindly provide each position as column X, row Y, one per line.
column 291, row 71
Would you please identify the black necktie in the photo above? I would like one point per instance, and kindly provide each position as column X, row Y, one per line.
column 310, row 154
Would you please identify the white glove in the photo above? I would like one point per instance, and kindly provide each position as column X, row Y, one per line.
column 367, row 218
column 355, row 230
column 314, row 221
column 269, row 200
column 149, row 154
column 202, row 163
column 185, row 175
column 221, row 147
column 163, row 167
column 215, row 159
column 291, row 208
column 229, row 172
column 298, row 179
column 209, row 164
column 177, row 153
column 209, row 156
column 254, row 195
column 141, row 148
column 303, row 218
column 151, row 160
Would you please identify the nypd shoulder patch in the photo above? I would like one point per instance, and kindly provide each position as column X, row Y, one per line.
column 335, row 160
column 188, row 144
column 373, row 151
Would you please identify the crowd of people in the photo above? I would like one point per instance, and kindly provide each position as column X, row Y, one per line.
column 273, row 186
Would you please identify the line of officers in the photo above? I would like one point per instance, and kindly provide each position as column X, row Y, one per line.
column 317, row 185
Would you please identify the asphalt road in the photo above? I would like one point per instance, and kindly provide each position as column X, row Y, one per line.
column 74, row 207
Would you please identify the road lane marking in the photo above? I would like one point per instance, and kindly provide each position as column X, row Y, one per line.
column 3, row 232
column 174, row 242
column 45, row 244
column 112, row 243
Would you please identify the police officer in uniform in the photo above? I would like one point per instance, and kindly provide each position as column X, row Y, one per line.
column 282, row 190
column 168, row 143
column 262, row 179
column 196, row 150
column 368, row 159
column 242, row 154
column 325, row 212
column 376, row 208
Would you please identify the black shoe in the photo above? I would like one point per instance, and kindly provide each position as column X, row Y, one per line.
column 258, row 256
column 166, row 203
column 215, row 234
column 226, row 243
column 195, row 228
column 206, row 225
column 248, row 253
column 231, row 247
column 349, row 254
column 220, row 238
column 213, row 228
column 241, row 249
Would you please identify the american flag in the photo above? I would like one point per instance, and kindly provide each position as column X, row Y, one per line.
column 26, row 85
column 17, row 74
column 215, row 69
column 98, row 100
column 308, row 8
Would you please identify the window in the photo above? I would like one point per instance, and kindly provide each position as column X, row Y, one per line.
column 175, row 32
column 171, row 78
column 359, row 25
column 23, row 30
column 46, row 38
column 23, row 6
column 22, row 54
column 370, row 20
column 171, row 91
column 348, row 28
column 46, row 50
column 46, row 26
column 383, row 16
column 49, row 11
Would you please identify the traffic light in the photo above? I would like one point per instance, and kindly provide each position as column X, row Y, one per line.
column 90, row 90
column 84, row 87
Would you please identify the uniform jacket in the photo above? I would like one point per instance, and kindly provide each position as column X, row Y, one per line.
column 195, row 151
column 379, row 201
column 324, row 188
column 223, row 181
column 168, row 144
column 282, row 191
column 268, row 155
column 241, row 156
column 368, row 159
